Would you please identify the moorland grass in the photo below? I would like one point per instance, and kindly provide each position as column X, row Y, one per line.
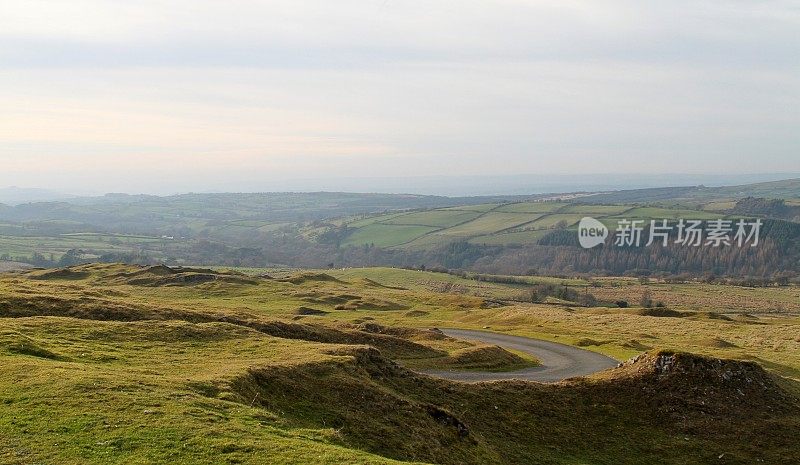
column 101, row 367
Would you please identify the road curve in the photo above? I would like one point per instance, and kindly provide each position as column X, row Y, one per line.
column 558, row 361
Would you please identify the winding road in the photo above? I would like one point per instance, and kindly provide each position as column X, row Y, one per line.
column 558, row 361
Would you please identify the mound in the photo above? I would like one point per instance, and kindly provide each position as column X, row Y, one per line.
column 484, row 357
column 371, row 304
column 695, row 389
column 635, row 345
column 659, row 408
column 356, row 397
column 389, row 345
column 716, row 316
column 417, row 313
column 301, row 278
column 62, row 273
column 88, row 308
column 490, row 303
column 162, row 275
column 586, row 342
column 370, row 283
column 661, row 312
column 309, row 311
column 16, row 343
column 188, row 279
column 318, row 297
column 157, row 270
column 403, row 332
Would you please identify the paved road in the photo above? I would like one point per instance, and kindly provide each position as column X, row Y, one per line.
column 559, row 361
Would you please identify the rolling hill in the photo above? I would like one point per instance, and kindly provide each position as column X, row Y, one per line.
column 491, row 234
column 124, row 364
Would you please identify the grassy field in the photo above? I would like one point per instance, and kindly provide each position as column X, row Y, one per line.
column 496, row 224
column 122, row 364
column 666, row 213
column 383, row 235
column 490, row 222
column 531, row 207
column 435, row 218
column 480, row 208
column 58, row 245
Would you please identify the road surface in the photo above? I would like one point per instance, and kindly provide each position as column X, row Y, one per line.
column 558, row 361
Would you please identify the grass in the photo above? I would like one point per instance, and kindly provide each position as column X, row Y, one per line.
column 705, row 297
column 100, row 365
column 596, row 210
column 480, row 208
column 371, row 219
column 386, row 235
column 58, row 245
column 656, row 213
column 477, row 358
column 550, row 221
column 531, row 207
column 434, row 218
column 494, row 224
column 489, row 223
column 135, row 393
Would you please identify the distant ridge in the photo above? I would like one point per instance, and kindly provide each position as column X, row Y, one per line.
column 18, row 195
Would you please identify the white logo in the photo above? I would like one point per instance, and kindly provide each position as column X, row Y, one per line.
column 591, row 232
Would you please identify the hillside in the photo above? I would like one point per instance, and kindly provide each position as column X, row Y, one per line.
column 501, row 235
column 700, row 195
column 121, row 364
column 518, row 223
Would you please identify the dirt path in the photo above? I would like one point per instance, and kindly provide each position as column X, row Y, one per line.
column 559, row 361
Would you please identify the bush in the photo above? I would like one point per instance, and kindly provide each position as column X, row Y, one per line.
column 647, row 300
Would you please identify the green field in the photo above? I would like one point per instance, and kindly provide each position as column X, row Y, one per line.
column 492, row 224
column 434, row 218
column 595, row 210
column 666, row 213
column 56, row 246
column 383, row 235
column 480, row 208
column 550, row 221
column 532, row 207
column 359, row 223
column 489, row 223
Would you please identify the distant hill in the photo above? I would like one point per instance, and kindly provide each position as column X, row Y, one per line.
column 496, row 234
column 152, row 211
column 785, row 189
column 18, row 195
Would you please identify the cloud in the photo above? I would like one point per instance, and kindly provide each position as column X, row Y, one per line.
column 214, row 91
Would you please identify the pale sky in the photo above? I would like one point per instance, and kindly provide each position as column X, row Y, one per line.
column 167, row 96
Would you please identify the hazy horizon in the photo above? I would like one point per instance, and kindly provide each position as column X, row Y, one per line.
column 116, row 96
column 449, row 186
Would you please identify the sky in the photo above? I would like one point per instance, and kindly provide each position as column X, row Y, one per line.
column 169, row 96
